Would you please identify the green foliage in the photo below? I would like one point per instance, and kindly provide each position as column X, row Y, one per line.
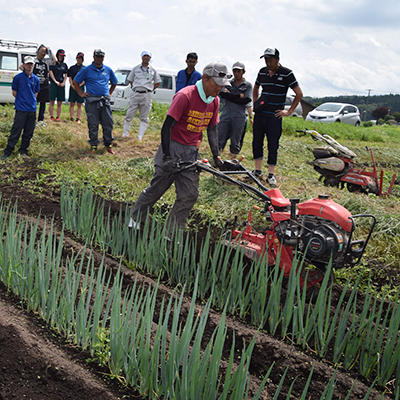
column 367, row 124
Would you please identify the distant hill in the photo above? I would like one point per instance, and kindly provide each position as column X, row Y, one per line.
column 390, row 100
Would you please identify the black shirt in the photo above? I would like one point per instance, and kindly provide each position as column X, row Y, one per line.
column 275, row 87
column 73, row 71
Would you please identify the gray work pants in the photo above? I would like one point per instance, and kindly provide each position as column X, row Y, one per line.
column 98, row 111
column 186, row 186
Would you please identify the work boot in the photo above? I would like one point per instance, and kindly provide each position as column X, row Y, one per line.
column 142, row 129
column 125, row 132
column 232, row 156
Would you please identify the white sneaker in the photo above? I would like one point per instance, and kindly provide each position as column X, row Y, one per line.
column 271, row 180
column 133, row 224
column 125, row 134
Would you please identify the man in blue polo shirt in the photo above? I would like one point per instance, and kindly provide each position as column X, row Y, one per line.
column 269, row 108
column 96, row 77
column 25, row 88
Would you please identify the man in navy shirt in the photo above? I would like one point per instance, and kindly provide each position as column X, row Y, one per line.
column 58, row 77
column 188, row 76
column 97, row 95
column 25, row 88
column 269, row 108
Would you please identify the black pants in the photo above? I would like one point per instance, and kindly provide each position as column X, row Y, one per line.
column 270, row 126
column 23, row 120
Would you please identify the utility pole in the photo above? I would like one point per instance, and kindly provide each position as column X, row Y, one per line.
column 366, row 108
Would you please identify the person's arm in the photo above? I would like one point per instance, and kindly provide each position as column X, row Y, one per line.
column 14, row 93
column 71, row 82
column 250, row 113
column 36, row 94
column 256, row 90
column 78, row 89
column 53, row 79
column 296, row 101
column 166, row 129
column 65, row 80
column 156, row 85
column 212, row 135
column 112, row 88
column 235, row 98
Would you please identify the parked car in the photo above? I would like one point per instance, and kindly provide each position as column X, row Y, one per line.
column 122, row 93
column 298, row 111
column 335, row 112
column 12, row 54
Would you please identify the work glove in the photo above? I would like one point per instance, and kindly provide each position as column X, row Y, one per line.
column 218, row 163
column 168, row 165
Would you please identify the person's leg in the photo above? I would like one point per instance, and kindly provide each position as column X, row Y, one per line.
column 187, row 192
column 27, row 134
column 78, row 111
column 160, row 183
column 16, row 129
column 131, row 112
column 59, row 108
column 53, row 96
column 51, row 109
column 106, row 120
column 238, row 124
column 72, row 110
column 273, row 133
column 144, row 110
column 223, row 132
column 93, row 122
column 258, row 141
column 42, row 110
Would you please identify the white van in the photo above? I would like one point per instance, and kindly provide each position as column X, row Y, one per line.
column 122, row 93
column 12, row 54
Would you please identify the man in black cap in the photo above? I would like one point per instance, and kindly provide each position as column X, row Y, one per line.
column 97, row 78
column 193, row 109
column 269, row 109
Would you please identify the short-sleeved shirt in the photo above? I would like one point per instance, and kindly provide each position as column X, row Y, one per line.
column 275, row 87
column 73, row 71
column 183, row 81
column 41, row 70
column 59, row 70
column 192, row 115
column 144, row 78
column 96, row 79
column 26, row 87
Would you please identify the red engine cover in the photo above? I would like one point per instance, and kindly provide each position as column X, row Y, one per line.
column 328, row 209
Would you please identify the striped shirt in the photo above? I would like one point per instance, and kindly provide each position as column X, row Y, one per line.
column 275, row 87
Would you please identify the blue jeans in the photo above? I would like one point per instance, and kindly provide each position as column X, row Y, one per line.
column 23, row 120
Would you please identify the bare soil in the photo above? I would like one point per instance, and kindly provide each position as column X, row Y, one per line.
column 37, row 363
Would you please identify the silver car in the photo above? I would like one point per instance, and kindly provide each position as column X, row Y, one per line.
column 335, row 112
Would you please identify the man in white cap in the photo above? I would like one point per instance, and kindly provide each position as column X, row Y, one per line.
column 25, row 88
column 233, row 117
column 193, row 109
column 269, row 108
column 143, row 79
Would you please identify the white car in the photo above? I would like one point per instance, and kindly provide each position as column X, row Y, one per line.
column 122, row 93
column 12, row 53
column 335, row 112
column 298, row 111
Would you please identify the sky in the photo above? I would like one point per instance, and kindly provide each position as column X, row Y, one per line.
column 335, row 47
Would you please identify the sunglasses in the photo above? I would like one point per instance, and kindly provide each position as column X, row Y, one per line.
column 222, row 74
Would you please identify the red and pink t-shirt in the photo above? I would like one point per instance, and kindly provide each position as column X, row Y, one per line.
column 192, row 116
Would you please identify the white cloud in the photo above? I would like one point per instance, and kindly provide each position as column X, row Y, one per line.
column 135, row 16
